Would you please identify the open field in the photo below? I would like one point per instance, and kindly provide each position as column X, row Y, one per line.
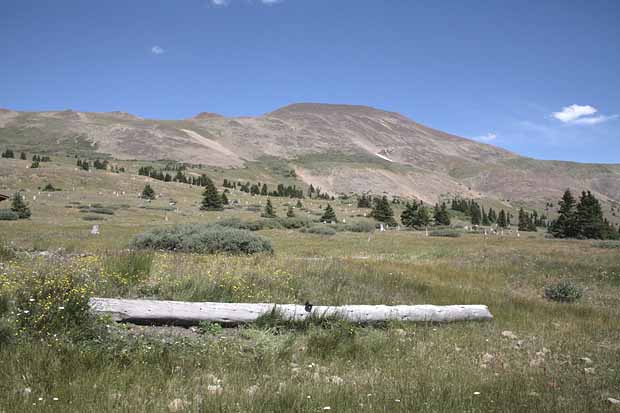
column 536, row 355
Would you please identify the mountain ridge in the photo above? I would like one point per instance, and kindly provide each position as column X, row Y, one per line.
column 342, row 148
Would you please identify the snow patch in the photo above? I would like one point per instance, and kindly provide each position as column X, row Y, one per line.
column 384, row 157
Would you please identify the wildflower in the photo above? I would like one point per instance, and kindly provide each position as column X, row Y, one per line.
column 476, row 393
column 327, row 408
column 55, row 399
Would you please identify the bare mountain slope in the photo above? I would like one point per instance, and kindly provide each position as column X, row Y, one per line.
column 342, row 148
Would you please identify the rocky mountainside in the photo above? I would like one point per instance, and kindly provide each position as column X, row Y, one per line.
column 341, row 148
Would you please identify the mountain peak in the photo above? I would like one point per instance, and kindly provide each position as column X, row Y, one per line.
column 207, row 116
column 312, row 108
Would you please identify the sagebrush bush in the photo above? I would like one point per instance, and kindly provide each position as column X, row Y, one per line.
column 98, row 210
column 563, row 291
column 6, row 251
column 320, row 230
column 359, row 226
column 8, row 215
column 452, row 233
column 202, row 238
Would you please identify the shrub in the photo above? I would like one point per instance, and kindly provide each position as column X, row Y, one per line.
column 93, row 218
column 202, row 238
column 563, row 291
column 359, row 226
column 98, row 210
column 6, row 251
column 446, row 233
column 8, row 215
column 320, row 230
column 607, row 244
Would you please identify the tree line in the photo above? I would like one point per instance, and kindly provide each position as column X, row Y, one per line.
column 582, row 219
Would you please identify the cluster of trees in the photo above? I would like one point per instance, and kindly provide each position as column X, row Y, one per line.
column 290, row 191
column 178, row 177
column 35, row 158
column 211, row 198
column 583, row 219
column 478, row 215
column 8, row 154
column 316, row 193
column 529, row 222
column 418, row 215
column 382, row 210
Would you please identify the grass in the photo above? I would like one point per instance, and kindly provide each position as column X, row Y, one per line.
column 280, row 366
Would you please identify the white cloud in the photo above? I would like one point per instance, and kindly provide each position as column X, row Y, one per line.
column 593, row 120
column 270, row 1
column 220, row 3
column 157, row 50
column 486, row 138
column 581, row 115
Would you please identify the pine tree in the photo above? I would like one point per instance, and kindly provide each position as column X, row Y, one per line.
column 329, row 215
column 589, row 217
column 444, row 215
column 407, row 217
column 502, row 222
column 148, row 192
column 485, row 218
column 19, row 206
column 225, row 199
column 211, row 199
column 22, row 156
column 290, row 213
column 476, row 216
column 382, row 211
column 566, row 224
column 422, row 217
column 299, row 204
column 34, row 165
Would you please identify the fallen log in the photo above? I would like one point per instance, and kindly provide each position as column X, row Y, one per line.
column 192, row 313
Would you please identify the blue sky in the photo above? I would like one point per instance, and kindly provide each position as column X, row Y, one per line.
column 541, row 78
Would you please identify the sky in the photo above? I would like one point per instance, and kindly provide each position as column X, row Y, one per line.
column 541, row 78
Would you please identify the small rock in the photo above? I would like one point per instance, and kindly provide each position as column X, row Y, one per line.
column 589, row 370
column 215, row 389
column 509, row 334
column 177, row 405
column 251, row 391
column 613, row 401
column 586, row 360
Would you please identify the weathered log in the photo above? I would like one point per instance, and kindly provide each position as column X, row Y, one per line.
column 192, row 313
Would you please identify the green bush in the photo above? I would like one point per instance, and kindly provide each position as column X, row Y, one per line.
column 6, row 251
column 320, row 230
column 8, row 215
column 93, row 218
column 203, row 238
column 563, row 291
column 607, row 244
column 359, row 226
column 98, row 210
column 452, row 233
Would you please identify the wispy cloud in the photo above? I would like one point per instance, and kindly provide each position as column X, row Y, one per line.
column 220, row 3
column 269, row 2
column 486, row 138
column 581, row 115
column 157, row 50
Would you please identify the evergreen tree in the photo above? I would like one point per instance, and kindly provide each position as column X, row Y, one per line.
column 148, row 192
column 225, row 199
column 476, row 215
column 22, row 156
column 329, row 215
column 34, row 165
column 382, row 211
column 299, row 204
column 290, row 213
column 566, row 224
column 19, row 206
column 8, row 154
column 263, row 190
column 211, row 199
column 589, row 217
column 444, row 215
column 502, row 221
column 268, row 212
column 364, row 201
column 422, row 217
column 407, row 217
column 485, row 218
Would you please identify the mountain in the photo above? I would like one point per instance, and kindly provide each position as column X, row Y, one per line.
column 341, row 148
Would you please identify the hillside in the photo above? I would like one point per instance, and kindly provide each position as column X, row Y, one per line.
column 341, row 148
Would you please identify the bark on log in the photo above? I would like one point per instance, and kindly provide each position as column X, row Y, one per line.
column 192, row 313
